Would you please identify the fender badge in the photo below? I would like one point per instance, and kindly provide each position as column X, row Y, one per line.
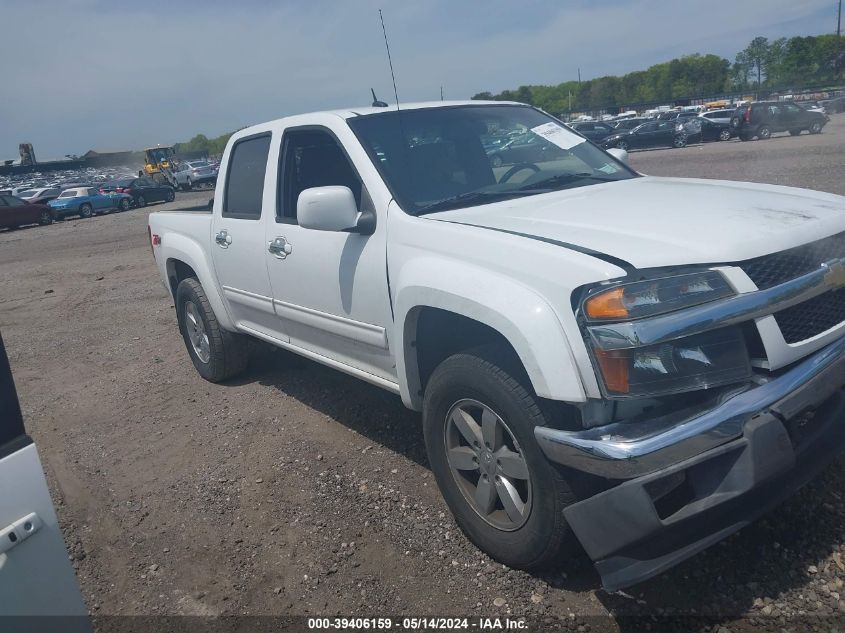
column 835, row 276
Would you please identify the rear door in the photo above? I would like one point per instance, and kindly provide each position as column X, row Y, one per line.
column 36, row 577
column 18, row 212
column 237, row 245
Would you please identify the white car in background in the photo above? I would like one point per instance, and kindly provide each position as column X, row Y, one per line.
column 192, row 173
column 719, row 116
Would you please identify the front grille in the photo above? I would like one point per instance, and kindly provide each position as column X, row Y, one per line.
column 771, row 270
column 812, row 317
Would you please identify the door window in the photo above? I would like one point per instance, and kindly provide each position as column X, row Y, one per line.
column 245, row 179
column 3, row 202
column 313, row 158
column 11, row 421
column 14, row 202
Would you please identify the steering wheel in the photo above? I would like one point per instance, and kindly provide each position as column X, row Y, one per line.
column 516, row 169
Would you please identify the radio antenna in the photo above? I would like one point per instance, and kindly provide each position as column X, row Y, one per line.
column 390, row 61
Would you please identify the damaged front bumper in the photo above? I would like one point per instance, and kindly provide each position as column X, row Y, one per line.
column 689, row 483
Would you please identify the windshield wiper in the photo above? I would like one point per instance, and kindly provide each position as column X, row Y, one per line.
column 566, row 178
column 470, row 197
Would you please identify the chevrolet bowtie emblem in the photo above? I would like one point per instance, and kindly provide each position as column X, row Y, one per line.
column 835, row 276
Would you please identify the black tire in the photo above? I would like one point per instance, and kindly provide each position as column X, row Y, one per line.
column 816, row 128
column 679, row 141
column 764, row 133
column 487, row 375
column 725, row 135
column 228, row 352
column 45, row 218
column 496, row 161
column 140, row 202
column 86, row 211
column 170, row 196
column 623, row 145
column 794, row 132
column 123, row 205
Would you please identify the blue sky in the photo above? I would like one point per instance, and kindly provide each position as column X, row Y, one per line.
column 112, row 74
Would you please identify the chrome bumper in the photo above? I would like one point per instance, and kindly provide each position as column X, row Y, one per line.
column 626, row 450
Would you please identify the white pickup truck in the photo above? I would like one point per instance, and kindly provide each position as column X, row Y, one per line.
column 640, row 365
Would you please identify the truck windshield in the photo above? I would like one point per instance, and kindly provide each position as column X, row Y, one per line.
column 440, row 158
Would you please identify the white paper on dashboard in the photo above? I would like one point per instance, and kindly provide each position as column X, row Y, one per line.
column 554, row 133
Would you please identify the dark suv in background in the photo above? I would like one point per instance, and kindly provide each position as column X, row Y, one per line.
column 764, row 118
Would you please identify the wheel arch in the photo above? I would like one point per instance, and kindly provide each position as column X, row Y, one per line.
column 459, row 313
column 186, row 259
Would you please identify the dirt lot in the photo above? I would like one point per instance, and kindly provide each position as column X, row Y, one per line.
column 298, row 490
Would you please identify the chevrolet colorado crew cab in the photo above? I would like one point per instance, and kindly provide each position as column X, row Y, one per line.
column 640, row 365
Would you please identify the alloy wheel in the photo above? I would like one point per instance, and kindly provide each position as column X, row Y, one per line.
column 488, row 465
column 196, row 332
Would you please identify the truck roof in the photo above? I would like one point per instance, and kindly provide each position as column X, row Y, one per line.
column 348, row 113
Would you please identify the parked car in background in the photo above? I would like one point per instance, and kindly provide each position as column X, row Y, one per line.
column 15, row 212
column 764, row 118
column 525, row 148
column 833, row 106
column 87, row 201
column 194, row 173
column 811, row 106
column 141, row 190
column 40, row 196
column 700, row 130
column 595, row 131
column 655, row 133
column 629, row 124
column 671, row 116
column 719, row 116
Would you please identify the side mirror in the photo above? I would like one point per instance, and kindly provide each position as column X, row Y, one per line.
column 327, row 209
column 619, row 154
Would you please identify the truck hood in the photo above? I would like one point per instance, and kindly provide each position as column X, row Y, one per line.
column 650, row 222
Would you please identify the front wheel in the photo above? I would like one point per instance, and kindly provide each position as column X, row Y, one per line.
column 623, row 145
column 679, row 141
column 217, row 354
column 45, row 218
column 816, row 128
column 140, row 202
column 86, row 211
column 123, row 205
column 479, row 417
column 725, row 135
column 171, row 196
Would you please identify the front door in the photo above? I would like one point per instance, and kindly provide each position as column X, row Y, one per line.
column 237, row 238
column 330, row 288
column 36, row 577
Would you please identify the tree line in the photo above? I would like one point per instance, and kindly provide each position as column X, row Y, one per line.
column 795, row 62
column 201, row 143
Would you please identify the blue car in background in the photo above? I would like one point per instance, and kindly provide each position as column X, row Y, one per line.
column 88, row 201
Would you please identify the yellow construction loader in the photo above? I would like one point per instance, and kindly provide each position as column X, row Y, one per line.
column 158, row 164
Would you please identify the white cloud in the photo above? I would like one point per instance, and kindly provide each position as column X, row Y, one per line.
column 105, row 74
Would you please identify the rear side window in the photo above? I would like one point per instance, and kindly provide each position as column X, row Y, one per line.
column 11, row 422
column 245, row 180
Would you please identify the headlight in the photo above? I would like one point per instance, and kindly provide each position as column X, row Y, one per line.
column 696, row 362
column 655, row 296
column 711, row 359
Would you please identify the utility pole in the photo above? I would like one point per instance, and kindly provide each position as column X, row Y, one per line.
column 839, row 20
column 579, row 70
column 441, row 93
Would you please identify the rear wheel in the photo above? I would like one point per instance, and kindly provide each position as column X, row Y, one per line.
column 45, row 218
column 764, row 133
column 679, row 141
column 816, row 128
column 217, row 354
column 86, row 211
column 725, row 135
column 123, row 205
column 170, row 196
column 140, row 202
column 479, row 417
column 623, row 145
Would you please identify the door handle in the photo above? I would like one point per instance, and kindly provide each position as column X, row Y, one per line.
column 19, row 531
column 280, row 247
column 223, row 238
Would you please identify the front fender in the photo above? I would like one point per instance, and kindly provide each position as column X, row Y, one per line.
column 178, row 247
column 518, row 313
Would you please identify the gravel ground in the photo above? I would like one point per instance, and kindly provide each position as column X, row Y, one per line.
column 297, row 490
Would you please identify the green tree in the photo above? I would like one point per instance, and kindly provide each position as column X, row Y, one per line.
column 757, row 53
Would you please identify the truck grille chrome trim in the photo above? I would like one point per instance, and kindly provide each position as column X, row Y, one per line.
column 626, row 450
column 730, row 311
